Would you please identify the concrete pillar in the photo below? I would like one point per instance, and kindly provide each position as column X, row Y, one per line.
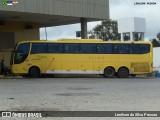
column 6, row 46
column 142, row 35
column 84, row 28
column 122, row 38
column 131, row 36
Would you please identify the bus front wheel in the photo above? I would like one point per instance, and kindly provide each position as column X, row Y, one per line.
column 109, row 72
column 34, row 72
column 123, row 72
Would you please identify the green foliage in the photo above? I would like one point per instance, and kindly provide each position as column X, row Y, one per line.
column 158, row 36
column 155, row 43
column 107, row 30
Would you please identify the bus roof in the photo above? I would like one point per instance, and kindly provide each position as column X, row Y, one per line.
column 78, row 40
column 82, row 41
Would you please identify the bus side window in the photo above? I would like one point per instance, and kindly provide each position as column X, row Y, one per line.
column 121, row 49
column 66, row 48
column 130, row 49
column 93, row 48
column 144, row 48
column 101, row 48
column 108, row 48
column 104, row 48
column 39, row 48
column 88, row 48
column 76, row 48
column 55, row 48
column 84, row 48
column 125, row 49
column 115, row 49
column 71, row 48
column 135, row 48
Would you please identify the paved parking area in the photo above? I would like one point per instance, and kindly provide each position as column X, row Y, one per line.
column 80, row 94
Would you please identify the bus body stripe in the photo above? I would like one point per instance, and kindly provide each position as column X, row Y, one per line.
column 73, row 72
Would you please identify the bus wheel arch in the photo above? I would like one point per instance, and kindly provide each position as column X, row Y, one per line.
column 123, row 72
column 34, row 72
column 109, row 72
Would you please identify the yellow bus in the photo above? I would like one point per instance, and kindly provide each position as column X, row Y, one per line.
column 82, row 56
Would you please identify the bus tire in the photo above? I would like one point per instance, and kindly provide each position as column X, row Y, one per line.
column 34, row 72
column 123, row 72
column 109, row 72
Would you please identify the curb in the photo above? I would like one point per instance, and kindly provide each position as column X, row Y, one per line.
column 9, row 77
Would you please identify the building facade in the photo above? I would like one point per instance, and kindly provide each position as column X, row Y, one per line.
column 22, row 20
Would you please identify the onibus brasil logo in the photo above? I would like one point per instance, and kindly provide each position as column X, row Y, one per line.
column 9, row 2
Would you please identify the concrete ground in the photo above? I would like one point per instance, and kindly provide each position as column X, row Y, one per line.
column 80, row 94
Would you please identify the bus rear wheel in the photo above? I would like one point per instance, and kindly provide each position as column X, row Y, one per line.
column 123, row 72
column 34, row 72
column 109, row 72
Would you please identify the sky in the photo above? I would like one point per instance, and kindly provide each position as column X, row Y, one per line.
column 118, row 9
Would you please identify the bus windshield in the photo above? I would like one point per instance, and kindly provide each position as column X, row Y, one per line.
column 21, row 53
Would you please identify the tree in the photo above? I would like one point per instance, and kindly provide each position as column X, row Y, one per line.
column 155, row 43
column 107, row 30
column 158, row 35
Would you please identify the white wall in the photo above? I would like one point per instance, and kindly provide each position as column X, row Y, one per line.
column 156, row 57
column 133, row 24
